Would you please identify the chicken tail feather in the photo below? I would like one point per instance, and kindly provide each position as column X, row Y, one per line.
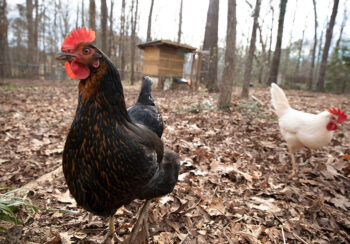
column 279, row 100
column 164, row 181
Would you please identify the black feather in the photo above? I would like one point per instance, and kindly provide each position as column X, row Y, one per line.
column 145, row 112
column 108, row 161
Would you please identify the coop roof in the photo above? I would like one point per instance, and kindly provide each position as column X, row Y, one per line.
column 167, row 43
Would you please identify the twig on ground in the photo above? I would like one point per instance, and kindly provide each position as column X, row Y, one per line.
column 290, row 231
column 258, row 100
column 298, row 237
column 284, row 239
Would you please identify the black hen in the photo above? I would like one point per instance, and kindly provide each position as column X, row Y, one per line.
column 108, row 160
column 145, row 112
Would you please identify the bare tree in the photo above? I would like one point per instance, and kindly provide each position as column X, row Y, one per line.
column 180, row 23
column 43, row 27
column 277, row 53
column 264, row 61
column 249, row 61
column 300, row 48
column 329, row 33
column 64, row 22
column 288, row 49
column 92, row 15
column 342, row 26
column 230, row 53
column 82, row 13
column 149, row 27
column 313, row 51
column 30, row 33
column 134, row 17
column 121, row 40
column 111, row 35
column 77, row 19
column 270, row 39
column 35, row 51
column 206, row 43
column 104, row 25
column 318, row 58
column 5, row 68
column 211, row 43
column 53, row 30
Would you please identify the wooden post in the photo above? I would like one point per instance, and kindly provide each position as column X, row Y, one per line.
column 161, row 80
column 198, row 72
column 192, row 68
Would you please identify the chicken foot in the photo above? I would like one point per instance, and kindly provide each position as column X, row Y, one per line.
column 143, row 218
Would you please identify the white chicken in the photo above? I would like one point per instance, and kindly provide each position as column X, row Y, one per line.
column 301, row 129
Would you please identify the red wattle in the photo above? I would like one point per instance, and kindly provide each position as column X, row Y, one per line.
column 69, row 70
column 81, row 71
column 331, row 126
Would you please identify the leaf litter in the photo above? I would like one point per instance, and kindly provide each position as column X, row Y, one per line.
column 233, row 184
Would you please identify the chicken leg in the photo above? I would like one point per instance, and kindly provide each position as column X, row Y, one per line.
column 111, row 226
column 309, row 153
column 291, row 153
column 143, row 218
column 111, row 231
column 293, row 164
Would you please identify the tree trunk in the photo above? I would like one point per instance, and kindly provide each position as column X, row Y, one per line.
column 180, row 23
column 44, row 43
column 277, row 53
column 92, row 15
column 313, row 51
column 264, row 60
column 322, row 74
column 300, row 48
column 64, row 23
column 149, row 27
column 29, row 15
column 337, row 44
column 227, row 78
column 287, row 51
column 318, row 59
column 5, row 68
column 77, row 20
column 82, row 13
column 134, row 16
column 54, row 34
column 211, row 43
column 104, row 26
column 36, row 67
column 270, row 41
column 121, row 41
column 249, row 62
column 110, row 34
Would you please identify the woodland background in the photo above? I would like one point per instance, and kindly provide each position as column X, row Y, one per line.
column 233, row 185
column 314, row 55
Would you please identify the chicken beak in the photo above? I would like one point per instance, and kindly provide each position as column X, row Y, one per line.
column 64, row 56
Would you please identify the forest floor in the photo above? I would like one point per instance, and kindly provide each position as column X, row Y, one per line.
column 234, row 184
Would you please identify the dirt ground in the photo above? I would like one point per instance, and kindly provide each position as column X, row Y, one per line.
column 234, row 184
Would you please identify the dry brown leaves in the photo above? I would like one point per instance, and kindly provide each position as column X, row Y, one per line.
column 233, row 185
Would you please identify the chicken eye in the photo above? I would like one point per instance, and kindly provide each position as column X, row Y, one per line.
column 86, row 51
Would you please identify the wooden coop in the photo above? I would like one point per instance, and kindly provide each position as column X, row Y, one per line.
column 164, row 59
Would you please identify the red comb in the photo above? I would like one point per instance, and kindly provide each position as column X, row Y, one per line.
column 76, row 37
column 341, row 115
